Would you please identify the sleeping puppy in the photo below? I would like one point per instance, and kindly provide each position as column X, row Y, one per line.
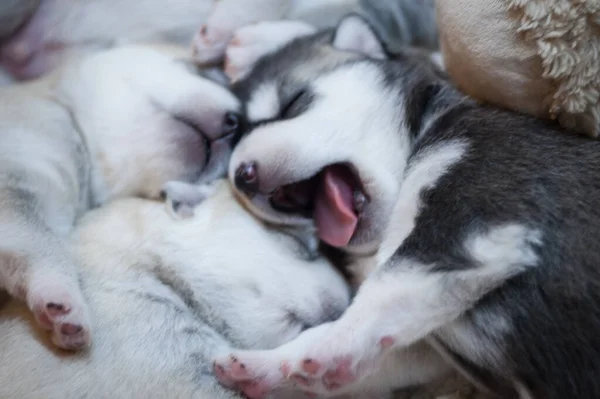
column 59, row 27
column 476, row 227
column 119, row 123
column 167, row 297
column 36, row 35
column 398, row 22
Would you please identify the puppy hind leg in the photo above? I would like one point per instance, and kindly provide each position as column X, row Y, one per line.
column 256, row 373
column 35, row 266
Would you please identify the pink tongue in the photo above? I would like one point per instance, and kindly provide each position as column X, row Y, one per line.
column 334, row 214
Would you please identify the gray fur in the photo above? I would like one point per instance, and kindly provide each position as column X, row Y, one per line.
column 13, row 14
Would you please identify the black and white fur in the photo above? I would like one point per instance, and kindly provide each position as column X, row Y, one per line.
column 479, row 236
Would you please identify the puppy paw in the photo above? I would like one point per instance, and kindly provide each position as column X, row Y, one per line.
column 208, row 45
column 255, row 374
column 319, row 362
column 61, row 309
column 181, row 198
column 339, row 363
column 252, row 42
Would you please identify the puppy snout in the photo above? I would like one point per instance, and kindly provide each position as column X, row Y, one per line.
column 246, row 178
column 231, row 123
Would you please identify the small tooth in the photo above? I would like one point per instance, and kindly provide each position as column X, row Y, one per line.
column 359, row 200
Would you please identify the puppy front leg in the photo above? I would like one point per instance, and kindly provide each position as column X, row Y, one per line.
column 252, row 42
column 400, row 305
column 209, row 44
column 258, row 373
column 36, row 267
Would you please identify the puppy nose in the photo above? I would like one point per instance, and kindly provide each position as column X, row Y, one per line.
column 246, row 178
column 231, row 123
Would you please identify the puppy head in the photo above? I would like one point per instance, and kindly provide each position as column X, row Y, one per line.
column 330, row 134
column 147, row 118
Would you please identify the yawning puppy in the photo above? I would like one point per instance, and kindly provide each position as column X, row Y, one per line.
column 119, row 123
column 481, row 224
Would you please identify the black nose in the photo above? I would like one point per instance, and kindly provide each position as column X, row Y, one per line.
column 246, row 178
column 231, row 123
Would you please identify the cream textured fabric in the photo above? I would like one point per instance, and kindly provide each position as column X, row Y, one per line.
column 541, row 57
column 566, row 34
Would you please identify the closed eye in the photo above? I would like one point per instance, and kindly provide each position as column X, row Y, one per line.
column 295, row 105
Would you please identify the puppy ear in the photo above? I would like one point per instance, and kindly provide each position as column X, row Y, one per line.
column 438, row 59
column 356, row 35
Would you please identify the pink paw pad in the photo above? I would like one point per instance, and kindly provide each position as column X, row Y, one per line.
column 340, row 376
column 65, row 318
column 222, row 376
column 47, row 314
column 311, row 366
column 254, row 389
column 238, row 369
column 387, row 342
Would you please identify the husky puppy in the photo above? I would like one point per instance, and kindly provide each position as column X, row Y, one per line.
column 167, row 297
column 476, row 227
column 36, row 35
column 119, row 123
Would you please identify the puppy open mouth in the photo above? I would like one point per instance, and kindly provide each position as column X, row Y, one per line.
column 334, row 198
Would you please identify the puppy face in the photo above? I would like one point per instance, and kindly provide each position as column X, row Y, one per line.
column 147, row 118
column 59, row 27
column 324, row 146
column 332, row 127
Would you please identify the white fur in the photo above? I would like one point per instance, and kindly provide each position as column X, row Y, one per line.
column 250, row 43
column 167, row 296
column 264, row 103
column 438, row 58
column 354, row 35
column 228, row 16
column 118, row 123
column 134, row 95
column 63, row 27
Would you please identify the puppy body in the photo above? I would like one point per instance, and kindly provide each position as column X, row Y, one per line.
column 482, row 222
column 59, row 27
column 98, row 130
column 167, row 297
